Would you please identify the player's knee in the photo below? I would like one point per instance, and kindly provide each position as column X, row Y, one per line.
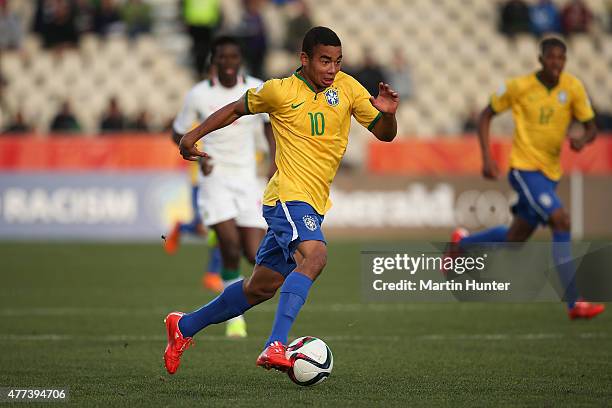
column 231, row 251
column 250, row 256
column 260, row 291
column 560, row 221
column 317, row 260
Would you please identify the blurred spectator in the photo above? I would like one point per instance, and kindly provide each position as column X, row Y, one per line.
column 399, row 76
column 603, row 119
column 298, row 24
column 141, row 123
column 54, row 21
column 470, row 125
column 136, row 15
column 608, row 16
column 11, row 29
column 514, row 17
column 201, row 18
column 113, row 120
column 370, row 74
column 252, row 32
column 106, row 18
column 17, row 125
column 84, row 16
column 65, row 121
column 576, row 17
column 544, row 18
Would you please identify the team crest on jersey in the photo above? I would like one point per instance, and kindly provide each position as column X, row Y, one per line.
column 332, row 96
column 545, row 199
column 310, row 222
column 562, row 97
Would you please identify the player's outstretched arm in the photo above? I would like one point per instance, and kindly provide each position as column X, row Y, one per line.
column 176, row 137
column 590, row 133
column 489, row 166
column 386, row 102
column 221, row 118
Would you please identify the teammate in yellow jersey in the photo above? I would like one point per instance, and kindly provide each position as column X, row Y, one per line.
column 543, row 105
column 310, row 113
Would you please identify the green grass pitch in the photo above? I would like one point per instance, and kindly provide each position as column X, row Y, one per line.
column 89, row 316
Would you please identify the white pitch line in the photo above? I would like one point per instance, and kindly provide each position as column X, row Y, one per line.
column 266, row 308
column 336, row 338
column 161, row 338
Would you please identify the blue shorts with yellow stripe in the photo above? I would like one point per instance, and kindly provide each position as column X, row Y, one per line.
column 289, row 223
column 537, row 196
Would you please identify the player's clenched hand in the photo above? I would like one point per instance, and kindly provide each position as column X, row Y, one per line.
column 206, row 166
column 189, row 151
column 387, row 100
column 490, row 170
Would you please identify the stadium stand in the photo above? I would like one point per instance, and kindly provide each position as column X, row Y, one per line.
column 457, row 58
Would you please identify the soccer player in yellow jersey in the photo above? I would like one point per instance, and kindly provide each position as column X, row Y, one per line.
column 310, row 113
column 543, row 105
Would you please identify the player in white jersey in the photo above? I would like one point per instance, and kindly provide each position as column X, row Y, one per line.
column 230, row 194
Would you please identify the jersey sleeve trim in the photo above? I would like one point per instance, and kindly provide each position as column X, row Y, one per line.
column 373, row 123
column 246, row 103
column 492, row 106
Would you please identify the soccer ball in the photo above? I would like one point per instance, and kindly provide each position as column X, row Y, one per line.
column 312, row 361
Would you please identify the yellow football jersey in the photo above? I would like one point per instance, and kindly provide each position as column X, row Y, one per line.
column 311, row 132
column 541, row 118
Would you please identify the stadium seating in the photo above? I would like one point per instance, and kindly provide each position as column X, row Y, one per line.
column 455, row 53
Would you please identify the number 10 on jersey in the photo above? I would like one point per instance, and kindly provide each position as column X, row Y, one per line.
column 317, row 123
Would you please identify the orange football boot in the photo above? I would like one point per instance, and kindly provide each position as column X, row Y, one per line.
column 172, row 241
column 213, row 282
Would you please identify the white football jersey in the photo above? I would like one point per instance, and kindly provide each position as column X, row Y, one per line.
column 232, row 148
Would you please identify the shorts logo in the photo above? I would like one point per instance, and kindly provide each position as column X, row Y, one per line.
column 310, row 222
column 562, row 97
column 332, row 97
column 545, row 200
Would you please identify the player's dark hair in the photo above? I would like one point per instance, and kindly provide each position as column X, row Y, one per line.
column 319, row 35
column 221, row 41
column 551, row 42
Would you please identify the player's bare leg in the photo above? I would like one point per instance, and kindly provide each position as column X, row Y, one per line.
column 250, row 239
column 313, row 256
column 520, row 230
column 229, row 243
column 560, row 225
column 262, row 284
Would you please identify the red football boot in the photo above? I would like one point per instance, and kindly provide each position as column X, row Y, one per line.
column 585, row 310
column 453, row 249
column 177, row 344
column 274, row 357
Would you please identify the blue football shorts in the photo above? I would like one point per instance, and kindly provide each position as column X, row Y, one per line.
column 289, row 223
column 537, row 196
